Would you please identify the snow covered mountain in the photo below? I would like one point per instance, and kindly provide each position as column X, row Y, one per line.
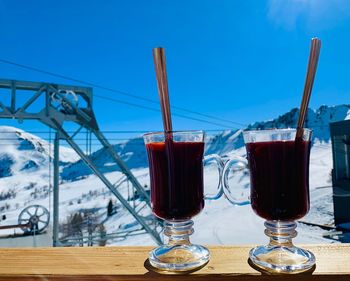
column 318, row 120
column 21, row 152
column 24, row 178
column 134, row 154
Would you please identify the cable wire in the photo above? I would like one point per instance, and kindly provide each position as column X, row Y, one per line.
column 119, row 92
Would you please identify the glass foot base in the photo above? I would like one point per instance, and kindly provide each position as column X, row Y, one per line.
column 282, row 259
column 179, row 258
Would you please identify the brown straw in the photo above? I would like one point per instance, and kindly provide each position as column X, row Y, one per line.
column 160, row 67
column 310, row 77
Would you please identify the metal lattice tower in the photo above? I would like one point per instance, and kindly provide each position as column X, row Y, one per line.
column 57, row 105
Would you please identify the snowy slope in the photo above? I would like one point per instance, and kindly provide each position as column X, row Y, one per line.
column 24, row 152
column 24, row 171
column 219, row 223
column 132, row 152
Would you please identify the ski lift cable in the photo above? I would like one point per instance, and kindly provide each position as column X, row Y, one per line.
column 65, row 77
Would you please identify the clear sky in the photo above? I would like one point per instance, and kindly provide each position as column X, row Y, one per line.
column 243, row 61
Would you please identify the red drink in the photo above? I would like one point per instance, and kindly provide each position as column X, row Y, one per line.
column 176, row 172
column 279, row 175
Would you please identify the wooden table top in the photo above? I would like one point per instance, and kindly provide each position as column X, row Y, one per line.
column 130, row 263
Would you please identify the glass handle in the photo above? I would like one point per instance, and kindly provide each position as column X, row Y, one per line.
column 220, row 166
column 236, row 164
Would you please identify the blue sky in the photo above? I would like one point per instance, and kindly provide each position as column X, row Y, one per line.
column 243, row 61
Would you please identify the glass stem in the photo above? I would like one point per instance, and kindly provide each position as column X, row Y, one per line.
column 178, row 232
column 281, row 233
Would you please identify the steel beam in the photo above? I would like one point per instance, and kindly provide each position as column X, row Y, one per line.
column 35, row 86
column 85, row 118
column 13, row 96
column 56, row 191
column 110, row 186
column 125, row 170
column 30, row 101
column 4, row 108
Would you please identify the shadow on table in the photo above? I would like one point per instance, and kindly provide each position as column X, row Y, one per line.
column 265, row 272
column 155, row 271
column 156, row 274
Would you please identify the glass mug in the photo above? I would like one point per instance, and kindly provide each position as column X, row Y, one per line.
column 176, row 174
column 279, row 193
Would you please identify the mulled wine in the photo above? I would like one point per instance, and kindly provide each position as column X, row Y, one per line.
column 279, row 175
column 176, row 172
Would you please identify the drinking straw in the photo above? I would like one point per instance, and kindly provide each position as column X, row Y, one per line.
column 162, row 83
column 309, row 81
column 160, row 67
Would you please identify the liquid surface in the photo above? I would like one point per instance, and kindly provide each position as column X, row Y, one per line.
column 279, row 174
column 176, row 172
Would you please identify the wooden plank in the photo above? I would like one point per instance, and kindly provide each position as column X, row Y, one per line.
column 130, row 263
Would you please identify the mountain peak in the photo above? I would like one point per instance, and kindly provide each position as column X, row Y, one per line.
column 24, row 152
column 317, row 119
